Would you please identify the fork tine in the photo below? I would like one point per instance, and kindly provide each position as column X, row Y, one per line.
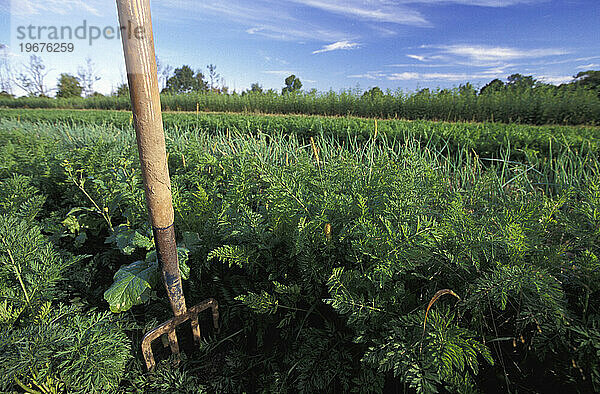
column 196, row 329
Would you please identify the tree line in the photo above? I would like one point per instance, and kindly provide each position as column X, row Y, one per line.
column 32, row 79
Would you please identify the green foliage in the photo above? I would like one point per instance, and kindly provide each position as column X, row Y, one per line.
column 292, row 84
column 65, row 349
column 127, row 240
column 493, row 86
column 68, row 86
column 122, row 90
column 261, row 303
column 324, row 253
column 133, row 284
column 489, row 140
column 523, row 101
column 444, row 354
column 589, row 79
column 30, row 270
column 184, row 80
column 374, row 92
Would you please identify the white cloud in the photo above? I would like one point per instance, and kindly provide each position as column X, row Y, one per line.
column 336, row 46
column 417, row 57
column 478, row 3
column 61, row 7
column 264, row 18
column 405, row 76
column 481, row 53
column 284, row 33
column 396, row 11
column 369, row 10
column 420, row 65
column 585, row 59
column 588, row 66
column 369, row 75
column 279, row 72
column 417, row 76
column 455, row 77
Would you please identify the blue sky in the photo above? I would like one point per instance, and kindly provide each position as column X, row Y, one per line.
column 396, row 44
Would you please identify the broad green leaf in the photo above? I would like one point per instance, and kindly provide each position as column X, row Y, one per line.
column 132, row 285
column 128, row 240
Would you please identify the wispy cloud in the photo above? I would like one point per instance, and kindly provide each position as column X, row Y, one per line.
column 481, row 53
column 284, row 33
column 288, row 20
column 397, row 11
column 484, row 75
column 271, row 59
column 588, row 66
column 279, row 72
column 417, row 57
column 61, row 7
column 478, row 3
column 373, row 75
column 370, row 10
column 417, row 76
column 265, row 18
column 450, row 77
column 337, row 46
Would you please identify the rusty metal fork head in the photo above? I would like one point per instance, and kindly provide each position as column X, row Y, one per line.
column 168, row 328
column 166, row 250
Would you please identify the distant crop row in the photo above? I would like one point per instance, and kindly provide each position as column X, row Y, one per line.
column 486, row 139
column 569, row 107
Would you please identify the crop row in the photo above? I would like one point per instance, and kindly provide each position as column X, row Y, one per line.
column 571, row 107
column 492, row 140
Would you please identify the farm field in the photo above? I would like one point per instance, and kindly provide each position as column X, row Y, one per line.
column 324, row 239
column 539, row 106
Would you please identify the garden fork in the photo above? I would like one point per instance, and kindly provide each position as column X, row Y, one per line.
column 138, row 48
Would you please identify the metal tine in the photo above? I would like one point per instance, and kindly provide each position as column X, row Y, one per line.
column 169, row 326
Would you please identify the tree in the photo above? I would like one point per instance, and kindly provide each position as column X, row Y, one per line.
column 184, row 80
column 255, row 88
column 32, row 78
column 122, row 90
column 68, row 86
column 213, row 76
column 373, row 93
column 467, row 90
column 87, row 76
column 520, row 82
column 495, row 85
column 292, row 84
column 588, row 79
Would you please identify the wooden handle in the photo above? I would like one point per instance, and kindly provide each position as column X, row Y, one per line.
column 138, row 47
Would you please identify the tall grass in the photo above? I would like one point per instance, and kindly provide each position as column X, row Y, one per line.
column 486, row 139
column 535, row 106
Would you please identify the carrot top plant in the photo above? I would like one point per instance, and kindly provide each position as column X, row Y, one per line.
column 323, row 269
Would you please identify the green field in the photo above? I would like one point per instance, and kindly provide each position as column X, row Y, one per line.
column 540, row 105
column 323, row 253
